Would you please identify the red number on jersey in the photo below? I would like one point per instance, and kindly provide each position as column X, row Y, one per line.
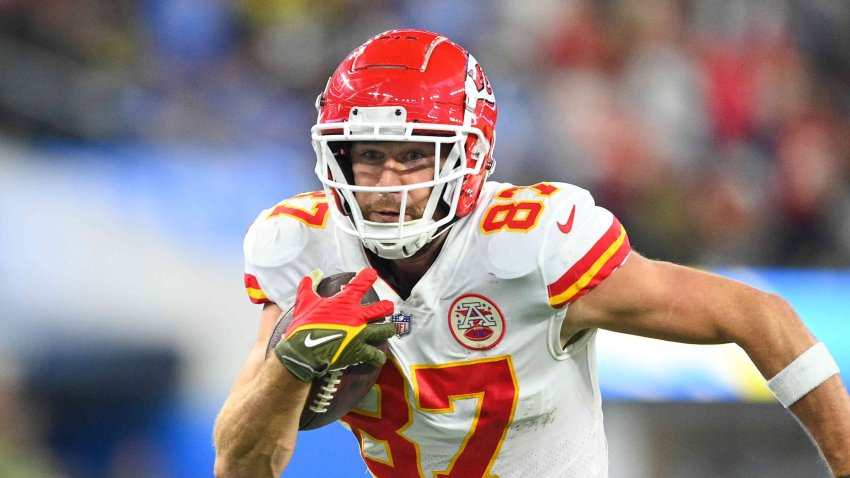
column 309, row 208
column 517, row 216
column 491, row 382
column 386, row 426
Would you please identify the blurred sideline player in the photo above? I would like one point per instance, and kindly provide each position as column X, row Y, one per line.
column 497, row 291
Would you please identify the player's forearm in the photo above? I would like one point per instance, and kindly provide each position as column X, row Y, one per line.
column 825, row 413
column 777, row 340
column 256, row 429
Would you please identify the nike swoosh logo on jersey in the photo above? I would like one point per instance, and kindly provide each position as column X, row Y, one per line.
column 310, row 342
column 568, row 226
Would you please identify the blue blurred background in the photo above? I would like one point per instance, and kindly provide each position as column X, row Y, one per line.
column 138, row 139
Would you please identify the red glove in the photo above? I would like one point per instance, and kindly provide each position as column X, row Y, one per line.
column 330, row 333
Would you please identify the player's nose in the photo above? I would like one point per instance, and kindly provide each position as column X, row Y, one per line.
column 391, row 173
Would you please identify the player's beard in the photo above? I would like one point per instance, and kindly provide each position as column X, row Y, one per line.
column 387, row 203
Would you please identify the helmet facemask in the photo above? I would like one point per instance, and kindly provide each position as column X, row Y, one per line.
column 403, row 238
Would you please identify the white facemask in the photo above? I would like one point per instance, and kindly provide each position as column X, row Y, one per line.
column 396, row 240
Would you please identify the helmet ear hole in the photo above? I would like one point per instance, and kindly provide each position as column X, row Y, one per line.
column 469, row 195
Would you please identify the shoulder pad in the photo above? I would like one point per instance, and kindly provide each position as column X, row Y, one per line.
column 584, row 244
column 274, row 241
column 512, row 222
column 280, row 234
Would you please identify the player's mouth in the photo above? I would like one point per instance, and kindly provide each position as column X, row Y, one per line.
column 387, row 216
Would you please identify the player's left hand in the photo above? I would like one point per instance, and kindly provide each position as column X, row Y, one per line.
column 334, row 332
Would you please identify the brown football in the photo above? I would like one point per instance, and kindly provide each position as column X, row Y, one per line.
column 335, row 394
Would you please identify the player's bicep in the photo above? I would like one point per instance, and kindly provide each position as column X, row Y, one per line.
column 667, row 301
column 257, row 355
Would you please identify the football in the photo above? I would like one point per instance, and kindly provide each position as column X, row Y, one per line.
column 335, row 394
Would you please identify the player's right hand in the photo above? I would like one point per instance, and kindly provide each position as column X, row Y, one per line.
column 334, row 332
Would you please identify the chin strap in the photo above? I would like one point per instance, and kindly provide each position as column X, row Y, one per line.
column 399, row 249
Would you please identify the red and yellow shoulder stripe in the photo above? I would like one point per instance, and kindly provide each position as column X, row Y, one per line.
column 255, row 292
column 601, row 260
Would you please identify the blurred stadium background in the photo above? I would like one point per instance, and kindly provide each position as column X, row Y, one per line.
column 139, row 138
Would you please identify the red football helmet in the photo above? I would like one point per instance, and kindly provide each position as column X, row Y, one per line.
column 407, row 85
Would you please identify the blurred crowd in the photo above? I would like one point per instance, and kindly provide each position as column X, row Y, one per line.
column 717, row 130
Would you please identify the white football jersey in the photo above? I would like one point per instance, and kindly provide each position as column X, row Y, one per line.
column 476, row 383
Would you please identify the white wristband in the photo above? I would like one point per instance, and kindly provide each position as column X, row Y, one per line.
column 810, row 369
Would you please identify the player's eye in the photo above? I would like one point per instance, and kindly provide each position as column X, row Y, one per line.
column 414, row 155
column 370, row 156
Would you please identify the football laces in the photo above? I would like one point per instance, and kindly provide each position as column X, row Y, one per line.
column 323, row 399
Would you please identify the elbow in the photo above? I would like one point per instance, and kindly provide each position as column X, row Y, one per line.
column 779, row 318
column 226, row 468
column 772, row 331
column 224, row 464
column 223, row 468
column 230, row 465
column 761, row 318
column 252, row 464
column 787, row 328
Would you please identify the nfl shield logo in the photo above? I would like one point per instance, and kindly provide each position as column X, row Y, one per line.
column 402, row 323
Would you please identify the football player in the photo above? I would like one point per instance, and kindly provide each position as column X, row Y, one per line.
column 495, row 290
